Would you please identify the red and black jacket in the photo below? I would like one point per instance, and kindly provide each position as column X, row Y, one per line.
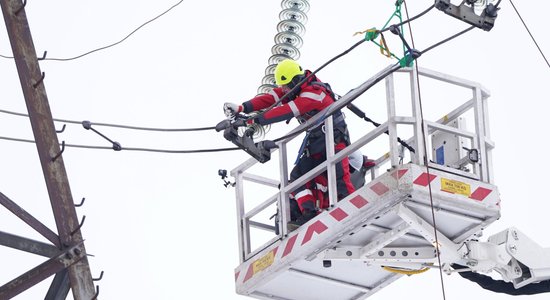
column 311, row 99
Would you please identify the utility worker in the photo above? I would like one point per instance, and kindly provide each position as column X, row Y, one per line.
column 311, row 97
column 358, row 167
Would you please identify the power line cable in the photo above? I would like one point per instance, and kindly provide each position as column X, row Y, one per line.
column 532, row 37
column 116, row 125
column 108, row 46
column 155, row 129
column 445, row 40
column 212, row 127
column 391, row 70
column 128, row 148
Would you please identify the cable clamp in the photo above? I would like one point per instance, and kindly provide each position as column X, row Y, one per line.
column 409, row 58
column 88, row 126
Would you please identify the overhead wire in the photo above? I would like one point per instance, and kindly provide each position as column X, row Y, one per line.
column 117, row 125
column 331, row 61
column 394, row 68
column 286, row 136
column 127, row 148
column 531, row 35
column 422, row 125
column 153, row 129
column 445, row 40
column 125, row 127
column 110, row 45
column 213, row 127
column 391, row 70
column 334, row 59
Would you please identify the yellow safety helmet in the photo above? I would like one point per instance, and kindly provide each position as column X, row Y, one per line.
column 286, row 70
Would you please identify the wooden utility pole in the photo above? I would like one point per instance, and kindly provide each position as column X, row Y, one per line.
column 69, row 260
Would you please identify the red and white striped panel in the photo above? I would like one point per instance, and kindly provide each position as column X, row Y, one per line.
column 463, row 188
column 324, row 227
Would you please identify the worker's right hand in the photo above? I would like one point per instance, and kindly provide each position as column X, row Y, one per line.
column 231, row 109
column 239, row 123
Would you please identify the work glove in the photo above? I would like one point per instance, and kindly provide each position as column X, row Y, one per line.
column 231, row 109
column 239, row 123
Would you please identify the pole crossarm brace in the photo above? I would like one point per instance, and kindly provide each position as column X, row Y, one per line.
column 30, row 220
column 60, row 286
column 51, row 160
column 27, row 245
column 56, row 264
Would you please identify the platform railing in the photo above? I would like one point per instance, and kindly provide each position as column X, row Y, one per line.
column 422, row 130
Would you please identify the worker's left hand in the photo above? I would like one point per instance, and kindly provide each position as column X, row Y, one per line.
column 231, row 109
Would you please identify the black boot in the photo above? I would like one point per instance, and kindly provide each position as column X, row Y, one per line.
column 304, row 218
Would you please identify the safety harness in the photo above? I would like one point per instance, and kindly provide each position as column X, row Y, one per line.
column 314, row 141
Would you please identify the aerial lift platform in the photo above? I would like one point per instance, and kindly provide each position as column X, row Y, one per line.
column 407, row 218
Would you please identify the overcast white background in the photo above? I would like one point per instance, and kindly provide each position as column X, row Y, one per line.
column 163, row 226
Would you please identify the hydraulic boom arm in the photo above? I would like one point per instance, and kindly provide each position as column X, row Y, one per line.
column 512, row 254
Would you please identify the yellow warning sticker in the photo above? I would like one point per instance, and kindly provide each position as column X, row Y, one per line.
column 455, row 187
column 264, row 262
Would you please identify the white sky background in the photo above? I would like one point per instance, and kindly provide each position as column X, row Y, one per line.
column 162, row 226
